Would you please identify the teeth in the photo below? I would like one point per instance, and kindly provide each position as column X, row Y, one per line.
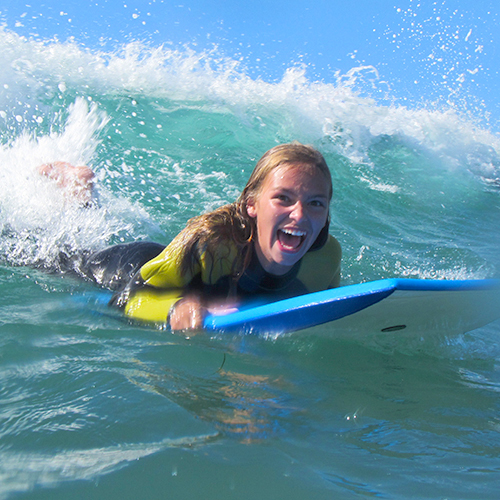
column 294, row 232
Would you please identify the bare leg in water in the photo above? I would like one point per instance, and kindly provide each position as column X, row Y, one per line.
column 76, row 182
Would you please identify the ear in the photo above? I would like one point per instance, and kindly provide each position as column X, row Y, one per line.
column 251, row 210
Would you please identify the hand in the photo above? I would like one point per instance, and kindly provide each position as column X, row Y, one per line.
column 187, row 314
column 222, row 308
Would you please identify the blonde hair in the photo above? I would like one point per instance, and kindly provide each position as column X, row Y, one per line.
column 284, row 154
column 231, row 223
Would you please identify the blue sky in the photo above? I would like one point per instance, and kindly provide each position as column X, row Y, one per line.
column 269, row 32
column 425, row 50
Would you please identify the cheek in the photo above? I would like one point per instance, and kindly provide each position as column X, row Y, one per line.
column 266, row 223
column 322, row 222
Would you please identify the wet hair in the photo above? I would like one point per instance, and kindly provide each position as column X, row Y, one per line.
column 231, row 223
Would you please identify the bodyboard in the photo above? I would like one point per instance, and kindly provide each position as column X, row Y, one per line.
column 390, row 305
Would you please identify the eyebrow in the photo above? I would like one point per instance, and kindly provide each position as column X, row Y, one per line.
column 289, row 191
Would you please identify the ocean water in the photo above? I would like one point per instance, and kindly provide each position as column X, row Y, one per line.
column 94, row 407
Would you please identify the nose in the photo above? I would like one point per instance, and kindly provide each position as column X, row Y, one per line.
column 298, row 212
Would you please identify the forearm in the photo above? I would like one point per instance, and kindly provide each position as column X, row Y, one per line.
column 151, row 305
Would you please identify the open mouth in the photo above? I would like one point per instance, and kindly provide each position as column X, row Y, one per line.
column 291, row 239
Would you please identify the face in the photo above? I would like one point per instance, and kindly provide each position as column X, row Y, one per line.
column 290, row 211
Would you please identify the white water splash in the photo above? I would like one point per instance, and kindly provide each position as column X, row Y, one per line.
column 38, row 219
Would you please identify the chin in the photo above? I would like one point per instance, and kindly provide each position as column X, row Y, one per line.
column 289, row 260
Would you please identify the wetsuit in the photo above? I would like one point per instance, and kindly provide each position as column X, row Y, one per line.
column 148, row 280
column 163, row 284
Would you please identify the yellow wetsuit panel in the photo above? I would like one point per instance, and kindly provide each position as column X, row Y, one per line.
column 150, row 304
column 320, row 269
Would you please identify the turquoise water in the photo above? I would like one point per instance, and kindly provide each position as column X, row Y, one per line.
column 94, row 407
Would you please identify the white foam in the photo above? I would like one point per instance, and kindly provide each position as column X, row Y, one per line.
column 38, row 219
column 336, row 110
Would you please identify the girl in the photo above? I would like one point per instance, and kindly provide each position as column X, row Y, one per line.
column 271, row 243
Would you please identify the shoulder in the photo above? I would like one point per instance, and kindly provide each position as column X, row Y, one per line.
column 165, row 270
column 332, row 247
column 320, row 268
column 218, row 262
column 331, row 251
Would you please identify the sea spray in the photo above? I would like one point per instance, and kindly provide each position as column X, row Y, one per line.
column 38, row 219
column 173, row 133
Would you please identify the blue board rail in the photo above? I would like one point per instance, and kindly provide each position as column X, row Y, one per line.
column 317, row 308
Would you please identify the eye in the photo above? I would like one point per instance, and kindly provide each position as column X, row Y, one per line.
column 317, row 203
column 282, row 197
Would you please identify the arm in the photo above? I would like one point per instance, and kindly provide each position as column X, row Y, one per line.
column 154, row 291
column 187, row 314
column 190, row 311
column 158, row 292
